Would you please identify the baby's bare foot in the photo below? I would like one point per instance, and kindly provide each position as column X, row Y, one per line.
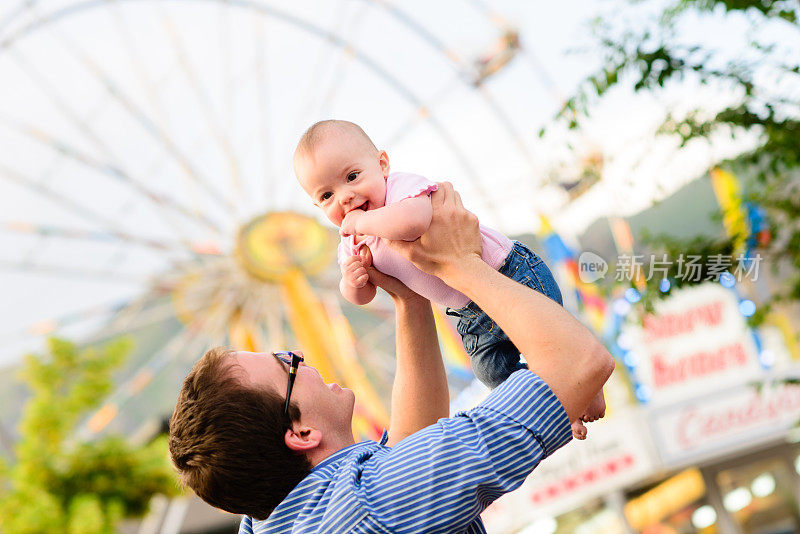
column 578, row 430
column 596, row 409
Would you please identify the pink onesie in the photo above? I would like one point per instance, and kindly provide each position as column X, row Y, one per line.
column 399, row 186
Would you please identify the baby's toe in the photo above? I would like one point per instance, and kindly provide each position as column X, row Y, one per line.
column 578, row 430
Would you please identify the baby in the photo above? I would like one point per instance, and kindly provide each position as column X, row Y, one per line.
column 347, row 177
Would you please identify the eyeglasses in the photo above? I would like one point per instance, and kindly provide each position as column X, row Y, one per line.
column 293, row 364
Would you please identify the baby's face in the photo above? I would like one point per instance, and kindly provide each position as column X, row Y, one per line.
column 343, row 174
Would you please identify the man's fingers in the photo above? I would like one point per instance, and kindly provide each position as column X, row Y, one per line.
column 458, row 200
column 376, row 277
column 448, row 194
column 405, row 248
column 440, row 196
column 379, row 279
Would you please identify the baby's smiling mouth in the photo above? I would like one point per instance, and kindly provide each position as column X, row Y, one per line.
column 363, row 207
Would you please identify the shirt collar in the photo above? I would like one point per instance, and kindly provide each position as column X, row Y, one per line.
column 329, row 463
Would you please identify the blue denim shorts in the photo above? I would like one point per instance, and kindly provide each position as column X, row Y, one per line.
column 493, row 356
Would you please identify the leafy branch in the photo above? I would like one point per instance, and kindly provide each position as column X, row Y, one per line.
column 57, row 485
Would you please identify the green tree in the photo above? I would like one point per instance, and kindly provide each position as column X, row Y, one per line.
column 58, row 484
column 647, row 49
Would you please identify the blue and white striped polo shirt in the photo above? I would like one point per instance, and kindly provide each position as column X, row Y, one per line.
column 437, row 480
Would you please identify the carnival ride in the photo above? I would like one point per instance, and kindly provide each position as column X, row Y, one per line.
column 147, row 187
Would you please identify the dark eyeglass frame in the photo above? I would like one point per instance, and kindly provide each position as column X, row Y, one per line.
column 293, row 364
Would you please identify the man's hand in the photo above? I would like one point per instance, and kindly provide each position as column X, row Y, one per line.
column 349, row 222
column 354, row 272
column 452, row 238
column 394, row 287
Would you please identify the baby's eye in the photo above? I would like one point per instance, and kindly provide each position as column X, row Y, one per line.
column 326, row 195
column 352, row 176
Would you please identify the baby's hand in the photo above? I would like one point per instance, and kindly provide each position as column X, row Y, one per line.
column 349, row 222
column 354, row 272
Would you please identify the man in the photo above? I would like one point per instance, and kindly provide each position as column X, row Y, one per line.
column 300, row 470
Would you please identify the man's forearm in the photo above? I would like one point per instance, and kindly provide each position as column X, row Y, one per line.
column 558, row 347
column 419, row 395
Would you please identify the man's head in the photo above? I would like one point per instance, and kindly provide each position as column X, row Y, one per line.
column 231, row 441
column 339, row 167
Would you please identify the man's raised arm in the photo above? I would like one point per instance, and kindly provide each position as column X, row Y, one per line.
column 558, row 348
column 419, row 395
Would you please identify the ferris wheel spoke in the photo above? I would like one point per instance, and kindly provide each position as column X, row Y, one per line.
column 160, row 116
column 28, row 228
column 261, row 105
column 428, row 36
column 106, row 225
column 468, row 73
column 93, row 275
column 107, row 169
column 47, row 327
column 205, row 105
column 276, row 336
column 392, row 81
column 188, row 341
column 335, row 57
column 421, row 113
column 116, row 172
column 344, row 60
column 226, row 75
column 138, row 66
column 325, row 58
column 22, row 7
column 127, row 103
column 470, row 172
column 547, row 81
column 405, row 91
column 506, row 121
column 251, row 308
column 150, row 308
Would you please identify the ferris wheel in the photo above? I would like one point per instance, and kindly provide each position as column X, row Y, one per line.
column 147, row 188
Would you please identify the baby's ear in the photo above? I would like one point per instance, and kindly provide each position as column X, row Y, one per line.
column 383, row 161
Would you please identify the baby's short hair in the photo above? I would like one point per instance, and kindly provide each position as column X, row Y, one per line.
column 319, row 130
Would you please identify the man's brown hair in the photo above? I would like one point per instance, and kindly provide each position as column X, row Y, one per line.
column 226, row 439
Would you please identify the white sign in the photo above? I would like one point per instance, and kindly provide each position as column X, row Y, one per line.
column 614, row 455
column 736, row 419
column 696, row 342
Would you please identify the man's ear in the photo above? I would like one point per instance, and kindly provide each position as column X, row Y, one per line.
column 383, row 160
column 302, row 438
